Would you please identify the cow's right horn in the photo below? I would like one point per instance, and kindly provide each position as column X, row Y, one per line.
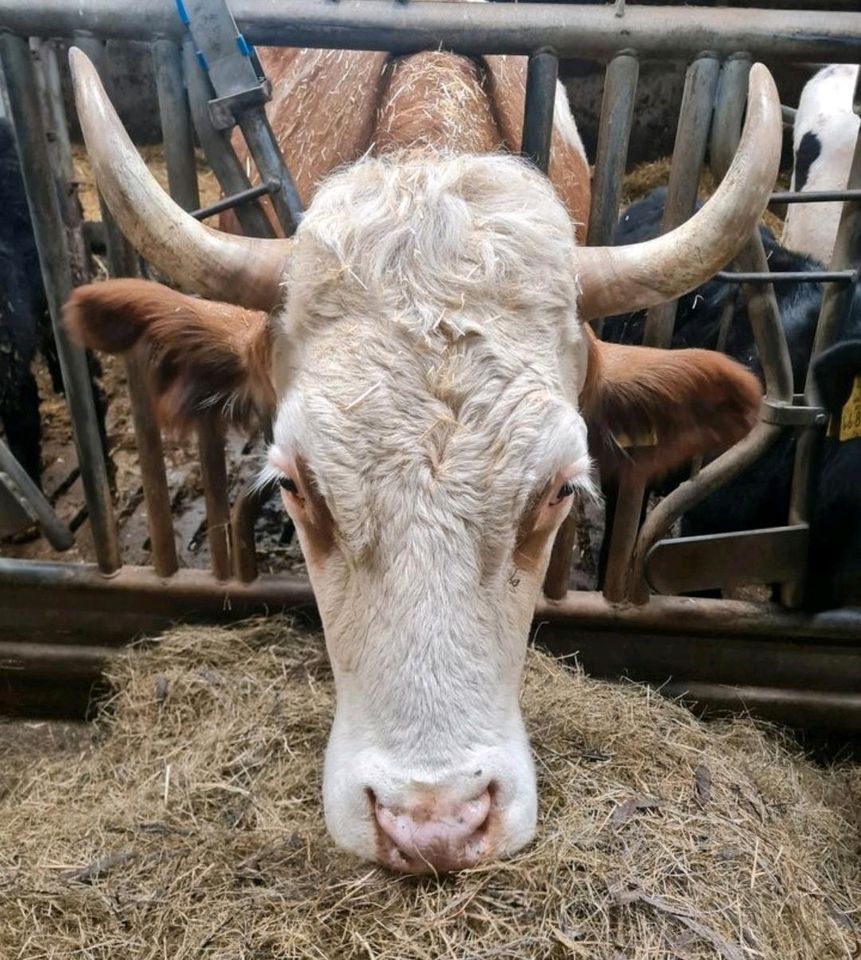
column 622, row 279
column 243, row 270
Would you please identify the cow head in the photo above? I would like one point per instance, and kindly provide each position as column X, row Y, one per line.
column 434, row 394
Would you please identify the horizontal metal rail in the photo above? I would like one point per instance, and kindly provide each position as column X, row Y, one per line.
column 789, row 276
column 228, row 203
column 677, row 33
column 814, row 196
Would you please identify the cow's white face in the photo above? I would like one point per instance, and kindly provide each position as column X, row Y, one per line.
column 429, row 435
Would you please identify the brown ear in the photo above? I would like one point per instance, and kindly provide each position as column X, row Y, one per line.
column 648, row 411
column 205, row 358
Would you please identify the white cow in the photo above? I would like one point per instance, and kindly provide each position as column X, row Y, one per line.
column 436, row 396
column 823, row 142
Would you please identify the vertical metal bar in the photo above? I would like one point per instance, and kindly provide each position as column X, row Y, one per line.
column 57, row 274
column 689, row 153
column 728, row 113
column 245, row 511
column 217, row 148
column 617, row 111
column 541, row 75
column 614, row 132
column 182, row 181
column 847, row 255
column 123, row 262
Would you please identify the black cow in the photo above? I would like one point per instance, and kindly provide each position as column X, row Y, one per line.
column 23, row 308
column 759, row 496
column 25, row 326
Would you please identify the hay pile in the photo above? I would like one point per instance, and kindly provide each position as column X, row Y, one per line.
column 193, row 829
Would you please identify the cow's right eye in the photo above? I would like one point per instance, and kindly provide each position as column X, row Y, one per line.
column 288, row 484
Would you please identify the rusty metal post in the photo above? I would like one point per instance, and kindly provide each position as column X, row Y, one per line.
column 48, row 228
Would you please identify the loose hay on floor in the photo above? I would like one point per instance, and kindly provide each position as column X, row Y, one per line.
column 193, row 828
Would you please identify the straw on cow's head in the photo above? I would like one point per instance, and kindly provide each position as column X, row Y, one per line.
column 423, row 356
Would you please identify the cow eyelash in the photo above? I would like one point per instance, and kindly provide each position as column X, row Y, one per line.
column 288, row 484
column 565, row 491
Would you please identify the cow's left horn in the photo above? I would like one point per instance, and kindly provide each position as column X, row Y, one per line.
column 243, row 270
column 621, row 279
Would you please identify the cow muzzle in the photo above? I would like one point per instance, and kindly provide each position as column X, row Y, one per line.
column 437, row 833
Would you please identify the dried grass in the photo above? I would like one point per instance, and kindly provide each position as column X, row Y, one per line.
column 192, row 828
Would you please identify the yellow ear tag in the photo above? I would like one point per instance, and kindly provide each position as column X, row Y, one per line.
column 648, row 438
column 850, row 415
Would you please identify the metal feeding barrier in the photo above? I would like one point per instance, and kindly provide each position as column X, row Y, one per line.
column 60, row 622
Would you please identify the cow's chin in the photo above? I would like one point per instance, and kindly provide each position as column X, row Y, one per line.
column 359, row 782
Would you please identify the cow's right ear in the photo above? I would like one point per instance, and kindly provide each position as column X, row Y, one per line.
column 649, row 411
column 205, row 358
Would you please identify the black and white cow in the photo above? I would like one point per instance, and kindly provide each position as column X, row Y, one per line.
column 759, row 496
column 823, row 142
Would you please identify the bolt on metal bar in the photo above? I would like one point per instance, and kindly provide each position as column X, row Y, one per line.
column 182, row 183
column 217, row 148
column 789, row 276
column 594, row 32
column 54, row 259
column 228, row 203
column 541, row 75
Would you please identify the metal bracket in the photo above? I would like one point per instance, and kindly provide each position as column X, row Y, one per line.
column 224, row 111
column 797, row 415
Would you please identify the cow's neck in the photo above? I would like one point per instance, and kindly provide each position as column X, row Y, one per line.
column 435, row 100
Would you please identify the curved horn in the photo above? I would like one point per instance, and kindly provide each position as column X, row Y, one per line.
column 620, row 279
column 242, row 270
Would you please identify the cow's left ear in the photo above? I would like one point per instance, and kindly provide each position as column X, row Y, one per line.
column 205, row 358
column 649, row 411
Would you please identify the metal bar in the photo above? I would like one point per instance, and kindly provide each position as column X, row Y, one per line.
column 245, row 511
column 802, row 709
column 54, row 259
column 614, row 133
column 33, row 501
column 684, row 564
column 814, row 196
column 541, row 75
column 813, row 276
column 847, row 254
column 124, row 262
column 217, row 147
column 617, row 111
column 728, row 113
column 213, row 472
column 630, row 494
column 241, row 95
column 228, row 203
column 263, row 148
column 689, row 151
column 182, row 181
column 572, row 31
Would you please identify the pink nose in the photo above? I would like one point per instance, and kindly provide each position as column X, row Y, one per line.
column 434, row 835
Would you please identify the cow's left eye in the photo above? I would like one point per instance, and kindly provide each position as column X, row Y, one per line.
column 288, row 484
column 564, row 491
